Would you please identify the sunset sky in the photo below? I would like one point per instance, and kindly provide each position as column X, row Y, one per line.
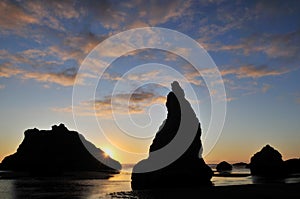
column 254, row 44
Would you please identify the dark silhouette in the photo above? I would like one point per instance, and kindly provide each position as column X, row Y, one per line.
column 189, row 170
column 55, row 151
column 240, row 164
column 292, row 166
column 267, row 163
column 224, row 167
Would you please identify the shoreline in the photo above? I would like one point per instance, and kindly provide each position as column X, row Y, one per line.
column 8, row 175
column 120, row 188
column 278, row 190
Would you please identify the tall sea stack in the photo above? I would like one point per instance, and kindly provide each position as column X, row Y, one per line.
column 189, row 169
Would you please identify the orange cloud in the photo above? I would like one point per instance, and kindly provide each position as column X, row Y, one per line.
column 13, row 16
column 229, row 99
column 64, row 78
column 58, row 78
column 252, row 71
column 6, row 70
column 126, row 103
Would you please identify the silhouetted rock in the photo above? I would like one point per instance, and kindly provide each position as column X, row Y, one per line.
column 240, row 164
column 189, row 170
column 55, row 151
column 292, row 166
column 267, row 163
column 224, row 166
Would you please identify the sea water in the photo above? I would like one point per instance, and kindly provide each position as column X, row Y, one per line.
column 95, row 188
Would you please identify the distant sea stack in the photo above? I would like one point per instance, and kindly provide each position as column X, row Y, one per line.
column 240, row 164
column 267, row 163
column 224, row 167
column 292, row 166
column 56, row 151
column 189, row 170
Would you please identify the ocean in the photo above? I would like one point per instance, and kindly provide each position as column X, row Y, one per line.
column 97, row 188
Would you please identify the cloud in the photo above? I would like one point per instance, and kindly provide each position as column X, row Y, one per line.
column 105, row 12
column 251, row 71
column 144, row 76
column 14, row 16
column 246, row 29
column 265, row 88
column 135, row 13
column 82, row 44
column 2, row 86
column 34, row 53
column 158, row 14
column 73, row 48
column 63, row 109
column 123, row 104
column 193, row 77
column 59, row 24
column 284, row 45
column 236, row 89
column 110, row 14
column 137, row 24
column 34, row 64
column 17, row 17
column 7, row 70
column 41, row 11
column 13, row 58
column 163, row 76
column 64, row 78
column 63, row 9
column 229, row 99
column 217, row 18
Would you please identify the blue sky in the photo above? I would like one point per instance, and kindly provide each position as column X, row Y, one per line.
column 255, row 45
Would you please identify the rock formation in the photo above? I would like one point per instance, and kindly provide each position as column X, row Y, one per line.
column 292, row 166
column 189, row 169
column 55, row 151
column 240, row 164
column 267, row 163
column 224, row 167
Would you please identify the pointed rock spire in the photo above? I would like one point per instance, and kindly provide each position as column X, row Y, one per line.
column 187, row 170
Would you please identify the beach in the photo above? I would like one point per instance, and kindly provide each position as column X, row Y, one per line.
column 118, row 186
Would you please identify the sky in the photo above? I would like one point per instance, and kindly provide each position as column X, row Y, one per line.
column 254, row 44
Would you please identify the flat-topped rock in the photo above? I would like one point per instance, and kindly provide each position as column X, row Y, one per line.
column 56, row 151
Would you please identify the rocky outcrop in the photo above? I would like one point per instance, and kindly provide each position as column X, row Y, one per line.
column 267, row 163
column 292, row 166
column 240, row 164
column 224, row 167
column 189, row 169
column 56, row 151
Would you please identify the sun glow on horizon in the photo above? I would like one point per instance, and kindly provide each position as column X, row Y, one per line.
column 108, row 152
